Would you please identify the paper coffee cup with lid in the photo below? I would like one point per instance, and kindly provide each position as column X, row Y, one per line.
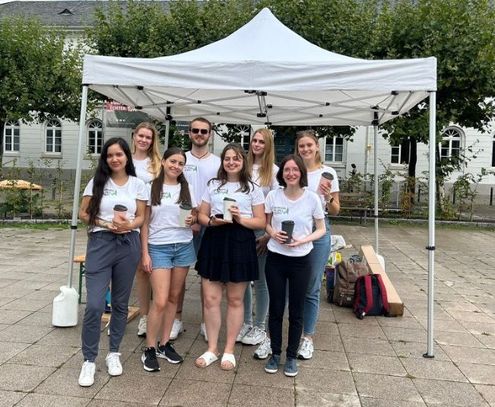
column 227, row 203
column 120, row 213
column 184, row 212
column 326, row 180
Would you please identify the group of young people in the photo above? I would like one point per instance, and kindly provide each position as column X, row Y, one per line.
column 231, row 245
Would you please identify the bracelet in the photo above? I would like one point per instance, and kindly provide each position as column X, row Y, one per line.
column 210, row 221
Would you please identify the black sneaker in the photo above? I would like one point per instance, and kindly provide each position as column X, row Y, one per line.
column 168, row 352
column 150, row 362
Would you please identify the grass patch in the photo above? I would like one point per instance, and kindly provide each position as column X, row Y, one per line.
column 35, row 226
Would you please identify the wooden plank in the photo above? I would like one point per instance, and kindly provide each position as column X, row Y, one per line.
column 133, row 313
column 369, row 256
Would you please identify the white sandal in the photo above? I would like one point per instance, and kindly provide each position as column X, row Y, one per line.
column 230, row 358
column 208, row 357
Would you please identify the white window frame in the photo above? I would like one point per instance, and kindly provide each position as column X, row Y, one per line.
column 53, row 126
column 334, row 145
column 95, row 131
column 11, row 132
column 450, row 136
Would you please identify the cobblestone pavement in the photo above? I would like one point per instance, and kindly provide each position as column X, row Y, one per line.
column 374, row 362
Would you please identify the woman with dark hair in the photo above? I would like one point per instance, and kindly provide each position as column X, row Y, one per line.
column 113, row 206
column 227, row 257
column 167, row 253
column 288, row 256
column 324, row 181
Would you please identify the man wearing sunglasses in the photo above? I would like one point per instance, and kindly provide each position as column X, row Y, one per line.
column 201, row 166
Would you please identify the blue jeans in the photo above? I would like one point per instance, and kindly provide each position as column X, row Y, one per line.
column 318, row 258
column 261, row 290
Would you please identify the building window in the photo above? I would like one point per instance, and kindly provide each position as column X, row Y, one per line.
column 11, row 137
column 95, row 136
column 400, row 153
column 53, row 136
column 334, row 149
column 451, row 143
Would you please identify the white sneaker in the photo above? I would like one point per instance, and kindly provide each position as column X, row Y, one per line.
column 254, row 337
column 143, row 321
column 177, row 328
column 306, row 349
column 202, row 331
column 87, row 375
column 264, row 350
column 113, row 364
column 244, row 330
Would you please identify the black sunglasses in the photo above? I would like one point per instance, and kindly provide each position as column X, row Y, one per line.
column 199, row 131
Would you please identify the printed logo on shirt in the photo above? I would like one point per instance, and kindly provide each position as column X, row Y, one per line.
column 220, row 191
column 280, row 210
column 109, row 192
column 190, row 168
column 166, row 195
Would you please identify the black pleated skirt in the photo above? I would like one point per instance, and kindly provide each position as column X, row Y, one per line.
column 228, row 254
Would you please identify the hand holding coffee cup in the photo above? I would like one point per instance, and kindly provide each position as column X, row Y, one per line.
column 227, row 204
column 325, row 183
column 119, row 214
column 288, row 228
column 184, row 212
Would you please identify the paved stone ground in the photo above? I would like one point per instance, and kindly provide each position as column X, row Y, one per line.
column 374, row 362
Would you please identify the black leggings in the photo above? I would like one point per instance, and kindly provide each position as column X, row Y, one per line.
column 281, row 270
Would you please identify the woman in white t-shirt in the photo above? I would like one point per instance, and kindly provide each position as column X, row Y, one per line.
column 260, row 158
column 308, row 149
column 113, row 206
column 146, row 158
column 227, row 256
column 288, row 257
column 167, row 253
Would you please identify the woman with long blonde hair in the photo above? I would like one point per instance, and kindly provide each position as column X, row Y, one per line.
column 147, row 160
column 324, row 181
column 260, row 159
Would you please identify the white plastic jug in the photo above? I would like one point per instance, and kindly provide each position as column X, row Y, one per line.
column 65, row 307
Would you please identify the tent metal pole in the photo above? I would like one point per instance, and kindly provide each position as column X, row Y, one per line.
column 167, row 131
column 375, row 171
column 77, row 183
column 431, row 224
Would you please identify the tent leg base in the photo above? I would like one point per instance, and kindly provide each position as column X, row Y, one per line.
column 425, row 355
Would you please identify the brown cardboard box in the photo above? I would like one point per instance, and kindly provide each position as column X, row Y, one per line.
column 369, row 256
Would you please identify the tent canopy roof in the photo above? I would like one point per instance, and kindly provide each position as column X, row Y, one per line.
column 264, row 73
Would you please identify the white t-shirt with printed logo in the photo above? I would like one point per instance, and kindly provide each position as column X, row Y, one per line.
column 199, row 171
column 245, row 200
column 302, row 211
column 314, row 178
column 113, row 194
column 164, row 220
column 255, row 176
column 143, row 169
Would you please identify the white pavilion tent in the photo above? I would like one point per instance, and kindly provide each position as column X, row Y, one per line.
column 266, row 74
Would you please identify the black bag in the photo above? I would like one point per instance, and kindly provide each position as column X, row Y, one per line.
column 346, row 273
column 370, row 296
column 330, row 282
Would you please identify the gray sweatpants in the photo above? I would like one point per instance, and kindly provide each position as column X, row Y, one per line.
column 110, row 258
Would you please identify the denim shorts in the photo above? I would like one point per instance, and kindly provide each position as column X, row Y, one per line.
column 167, row 256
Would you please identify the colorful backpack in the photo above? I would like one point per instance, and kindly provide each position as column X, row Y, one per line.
column 370, row 297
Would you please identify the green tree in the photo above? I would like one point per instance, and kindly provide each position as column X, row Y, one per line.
column 461, row 35
column 40, row 75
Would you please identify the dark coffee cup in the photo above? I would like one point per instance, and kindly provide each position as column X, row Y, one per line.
column 288, row 227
